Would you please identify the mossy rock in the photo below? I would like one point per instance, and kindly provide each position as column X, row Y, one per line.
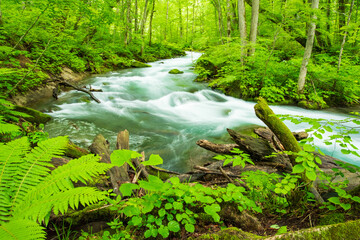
column 175, row 71
column 35, row 116
column 349, row 231
column 162, row 175
column 229, row 234
column 85, row 99
column 137, row 64
column 75, row 151
column 312, row 105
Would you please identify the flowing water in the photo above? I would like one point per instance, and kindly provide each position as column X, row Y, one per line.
column 165, row 114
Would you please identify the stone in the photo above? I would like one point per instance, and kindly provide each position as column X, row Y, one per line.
column 176, row 71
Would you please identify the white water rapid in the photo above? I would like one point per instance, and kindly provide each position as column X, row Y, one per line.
column 164, row 113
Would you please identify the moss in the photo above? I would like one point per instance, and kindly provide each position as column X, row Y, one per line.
column 85, row 99
column 332, row 219
column 75, row 151
column 162, row 175
column 36, row 117
column 308, row 105
column 92, row 213
column 175, row 71
column 349, row 231
column 137, row 64
column 229, row 234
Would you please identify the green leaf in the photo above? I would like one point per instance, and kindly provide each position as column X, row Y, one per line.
column 162, row 212
column 345, row 151
column 190, row 228
column 298, row 168
column 127, row 188
column 147, row 233
column 130, row 211
column 153, row 160
column 120, row 157
column 311, row 175
column 136, row 220
column 174, row 226
column 309, row 148
column 356, row 199
column 327, row 128
column 334, row 200
column 345, row 206
column 168, row 206
column 178, row 205
column 164, row 231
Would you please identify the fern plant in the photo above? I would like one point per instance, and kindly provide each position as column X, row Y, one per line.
column 30, row 191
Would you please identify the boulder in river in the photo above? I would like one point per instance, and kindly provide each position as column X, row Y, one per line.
column 175, row 71
column 137, row 64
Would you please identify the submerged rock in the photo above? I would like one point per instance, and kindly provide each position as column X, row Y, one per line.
column 175, row 71
column 137, row 64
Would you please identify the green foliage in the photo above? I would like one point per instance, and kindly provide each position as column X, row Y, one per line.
column 29, row 191
column 240, row 158
column 169, row 206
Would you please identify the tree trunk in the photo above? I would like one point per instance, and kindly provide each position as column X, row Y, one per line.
column 117, row 176
column 219, row 11
column 308, row 48
column 1, row 20
column 254, row 24
column 342, row 15
column 345, row 34
column 136, row 27
column 242, row 26
column 228, row 18
column 285, row 136
column 128, row 23
column 167, row 18
column 150, row 24
column 143, row 22
column 181, row 29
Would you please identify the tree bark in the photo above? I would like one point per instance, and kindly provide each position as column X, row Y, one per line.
column 181, row 29
column 217, row 148
column 167, row 18
column 242, row 26
column 150, row 23
column 143, row 22
column 128, row 23
column 100, row 146
column 1, row 20
column 287, row 139
column 308, row 48
column 76, row 88
column 228, row 18
column 345, row 35
column 136, row 27
column 254, row 24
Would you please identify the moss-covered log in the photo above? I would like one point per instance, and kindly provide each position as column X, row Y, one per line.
column 285, row 136
column 35, row 116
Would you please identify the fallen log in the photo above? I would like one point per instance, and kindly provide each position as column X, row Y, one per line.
column 100, row 146
column 217, row 148
column 285, row 136
column 56, row 90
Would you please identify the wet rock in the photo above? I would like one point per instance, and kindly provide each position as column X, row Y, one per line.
column 175, row 71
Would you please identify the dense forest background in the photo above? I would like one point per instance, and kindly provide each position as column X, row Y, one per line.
column 38, row 38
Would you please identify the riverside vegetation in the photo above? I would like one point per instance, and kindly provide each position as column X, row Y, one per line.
column 39, row 39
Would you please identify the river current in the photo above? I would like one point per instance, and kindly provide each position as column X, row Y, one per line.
column 165, row 114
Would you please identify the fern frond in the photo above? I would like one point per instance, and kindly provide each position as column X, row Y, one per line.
column 11, row 156
column 83, row 169
column 35, row 167
column 7, row 128
column 17, row 229
column 59, row 203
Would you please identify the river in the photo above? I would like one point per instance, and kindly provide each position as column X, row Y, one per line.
column 165, row 114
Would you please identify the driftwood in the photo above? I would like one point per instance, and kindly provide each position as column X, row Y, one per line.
column 217, row 148
column 282, row 132
column 117, row 175
column 141, row 167
column 63, row 83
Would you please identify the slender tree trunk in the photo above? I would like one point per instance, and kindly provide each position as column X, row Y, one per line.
column 308, row 48
column 242, row 26
column 345, row 34
column 180, row 21
column 128, row 23
column 136, row 27
column 167, row 18
column 143, row 22
column 228, row 18
column 193, row 23
column 150, row 24
column 254, row 24
column 32, row 25
column 187, row 23
column 342, row 17
column 219, row 11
